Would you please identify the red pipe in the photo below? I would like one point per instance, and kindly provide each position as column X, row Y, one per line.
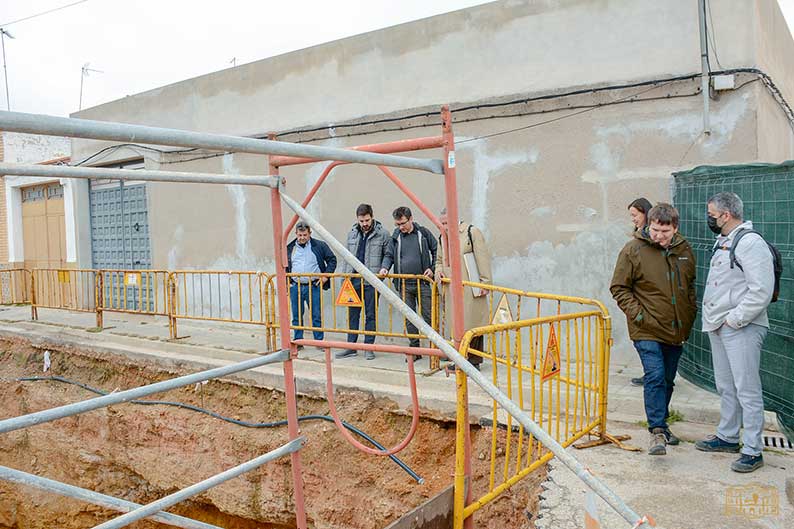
column 310, row 196
column 329, row 384
column 392, row 147
column 410, row 194
column 456, row 283
column 289, row 375
column 400, row 349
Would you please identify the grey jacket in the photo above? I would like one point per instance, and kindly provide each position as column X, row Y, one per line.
column 738, row 297
column 377, row 244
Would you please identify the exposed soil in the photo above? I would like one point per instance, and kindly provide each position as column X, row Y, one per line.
column 141, row 453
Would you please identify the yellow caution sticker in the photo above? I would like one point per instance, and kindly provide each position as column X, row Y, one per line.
column 551, row 360
column 132, row 279
column 348, row 297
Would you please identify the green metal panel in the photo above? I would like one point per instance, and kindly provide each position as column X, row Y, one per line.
column 767, row 191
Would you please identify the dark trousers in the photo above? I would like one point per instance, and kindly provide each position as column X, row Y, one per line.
column 299, row 307
column 476, row 343
column 410, row 290
column 354, row 313
column 660, row 363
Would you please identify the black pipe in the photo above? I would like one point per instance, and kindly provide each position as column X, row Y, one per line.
column 245, row 424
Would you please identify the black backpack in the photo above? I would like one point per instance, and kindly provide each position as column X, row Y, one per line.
column 777, row 259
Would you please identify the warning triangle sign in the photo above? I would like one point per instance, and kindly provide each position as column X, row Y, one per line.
column 348, row 297
column 502, row 314
column 551, row 360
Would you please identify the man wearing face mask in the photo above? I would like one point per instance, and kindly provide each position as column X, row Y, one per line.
column 738, row 290
column 654, row 285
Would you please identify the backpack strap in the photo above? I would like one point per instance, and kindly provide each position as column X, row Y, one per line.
column 739, row 234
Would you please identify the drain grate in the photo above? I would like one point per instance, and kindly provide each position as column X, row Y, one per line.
column 778, row 442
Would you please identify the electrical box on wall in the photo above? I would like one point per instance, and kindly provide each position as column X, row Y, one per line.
column 724, row 82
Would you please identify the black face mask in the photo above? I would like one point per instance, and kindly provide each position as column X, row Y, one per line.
column 712, row 222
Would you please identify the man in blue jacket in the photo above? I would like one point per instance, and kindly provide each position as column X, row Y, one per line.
column 306, row 255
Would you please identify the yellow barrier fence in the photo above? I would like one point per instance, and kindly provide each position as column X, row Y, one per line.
column 224, row 296
column 14, row 286
column 68, row 289
column 332, row 318
column 555, row 367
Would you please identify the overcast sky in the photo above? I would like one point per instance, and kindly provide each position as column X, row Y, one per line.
column 143, row 44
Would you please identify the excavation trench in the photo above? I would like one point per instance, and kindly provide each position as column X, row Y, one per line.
column 142, row 453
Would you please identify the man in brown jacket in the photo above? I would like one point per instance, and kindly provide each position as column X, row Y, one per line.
column 654, row 285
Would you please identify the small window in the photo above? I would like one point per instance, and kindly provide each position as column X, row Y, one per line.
column 32, row 194
column 55, row 191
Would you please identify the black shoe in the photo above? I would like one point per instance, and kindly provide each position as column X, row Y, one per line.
column 346, row 353
column 747, row 463
column 671, row 438
column 715, row 444
column 638, row 381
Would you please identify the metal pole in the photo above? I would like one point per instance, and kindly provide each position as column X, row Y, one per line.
column 101, row 130
column 456, row 288
column 96, row 173
column 704, row 65
column 509, row 406
column 198, row 488
column 31, row 419
column 5, row 68
column 290, row 390
column 95, row 498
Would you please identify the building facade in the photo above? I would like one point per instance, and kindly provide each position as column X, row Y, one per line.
column 563, row 112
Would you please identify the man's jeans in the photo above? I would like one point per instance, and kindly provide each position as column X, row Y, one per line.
column 354, row 313
column 411, row 293
column 299, row 311
column 660, row 362
column 736, row 354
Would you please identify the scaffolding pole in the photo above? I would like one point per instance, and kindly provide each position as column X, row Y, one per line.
column 31, row 419
column 95, row 498
column 198, row 488
column 124, row 132
column 454, row 356
column 100, row 173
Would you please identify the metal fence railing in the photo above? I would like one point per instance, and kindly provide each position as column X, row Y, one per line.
column 555, row 369
column 14, row 286
column 332, row 318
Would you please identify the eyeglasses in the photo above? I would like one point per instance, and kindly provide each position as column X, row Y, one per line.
column 403, row 223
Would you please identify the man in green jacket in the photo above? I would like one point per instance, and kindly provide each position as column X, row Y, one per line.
column 654, row 285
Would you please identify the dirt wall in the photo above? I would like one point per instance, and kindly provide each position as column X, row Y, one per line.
column 141, row 453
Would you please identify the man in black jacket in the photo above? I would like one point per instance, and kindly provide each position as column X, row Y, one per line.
column 412, row 250
column 306, row 255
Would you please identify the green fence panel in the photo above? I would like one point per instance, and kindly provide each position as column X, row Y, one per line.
column 767, row 191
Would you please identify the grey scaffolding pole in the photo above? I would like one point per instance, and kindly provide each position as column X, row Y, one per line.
column 103, row 130
column 32, row 419
column 173, row 499
column 103, row 500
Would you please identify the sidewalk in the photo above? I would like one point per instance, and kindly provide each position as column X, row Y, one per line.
column 212, row 343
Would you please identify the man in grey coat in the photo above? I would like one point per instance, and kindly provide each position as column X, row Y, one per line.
column 368, row 241
column 737, row 294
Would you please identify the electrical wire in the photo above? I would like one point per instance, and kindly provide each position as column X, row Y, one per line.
column 712, row 34
column 560, row 118
column 237, row 422
column 43, row 13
